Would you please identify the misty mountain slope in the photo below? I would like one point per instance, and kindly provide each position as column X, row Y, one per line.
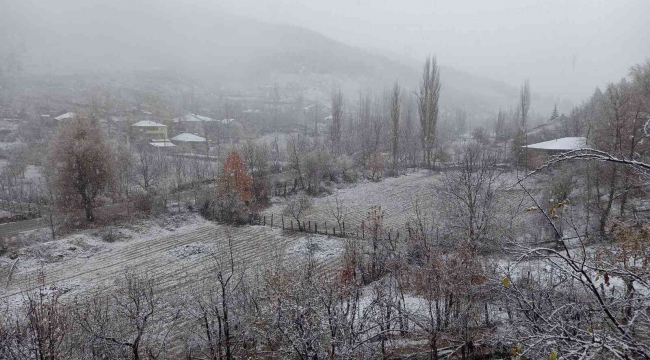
column 220, row 48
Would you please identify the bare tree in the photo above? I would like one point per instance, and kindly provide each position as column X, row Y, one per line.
column 395, row 112
column 337, row 120
column 377, row 123
column 42, row 328
column 500, row 127
column 295, row 147
column 50, row 209
column 460, row 119
column 213, row 307
column 618, row 132
column 520, row 137
column 296, row 207
column 410, row 139
column 364, row 124
column 524, row 105
column 338, row 211
column 150, row 167
column 375, row 165
column 469, row 194
column 129, row 322
column 124, row 172
column 428, row 96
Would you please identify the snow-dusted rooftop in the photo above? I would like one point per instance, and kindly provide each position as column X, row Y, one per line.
column 192, row 118
column 200, row 118
column 147, row 123
column 162, row 144
column 567, row 143
column 187, row 137
column 68, row 115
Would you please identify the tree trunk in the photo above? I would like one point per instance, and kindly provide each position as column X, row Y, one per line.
column 610, row 200
column 89, row 212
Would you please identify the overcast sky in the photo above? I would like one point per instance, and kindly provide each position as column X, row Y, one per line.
column 565, row 47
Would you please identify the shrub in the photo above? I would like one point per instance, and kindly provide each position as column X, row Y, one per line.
column 142, row 202
column 560, row 186
column 207, row 209
column 375, row 165
column 350, row 176
column 4, row 247
column 108, row 235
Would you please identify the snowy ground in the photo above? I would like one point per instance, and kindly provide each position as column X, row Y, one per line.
column 396, row 195
column 179, row 250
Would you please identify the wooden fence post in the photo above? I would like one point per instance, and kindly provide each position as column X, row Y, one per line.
column 315, row 228
column 271, row 219
column 264, row 221
column 292, row 225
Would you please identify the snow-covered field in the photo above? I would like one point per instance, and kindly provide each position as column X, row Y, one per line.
column 396, row 195
column 178, row 250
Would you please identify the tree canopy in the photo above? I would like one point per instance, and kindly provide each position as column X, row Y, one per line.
column 82, row 164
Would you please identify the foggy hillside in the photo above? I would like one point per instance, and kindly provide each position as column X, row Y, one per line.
column 234, row 52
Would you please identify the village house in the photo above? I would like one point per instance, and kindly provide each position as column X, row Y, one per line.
column 192, row 123
column 165, row 144
column 539, row 153
column 187, row 141
column 66, row 116
column 146, row 130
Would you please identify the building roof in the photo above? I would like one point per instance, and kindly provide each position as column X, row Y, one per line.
column 200, row 118
column 564, row 144
column 162, row 144
column 187, row 137
column 193, row 118
column 147, row 123
column 68, row 115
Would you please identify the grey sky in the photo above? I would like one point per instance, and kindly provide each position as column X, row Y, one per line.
column 564, row 47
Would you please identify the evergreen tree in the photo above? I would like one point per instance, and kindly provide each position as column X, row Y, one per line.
column 554, row 115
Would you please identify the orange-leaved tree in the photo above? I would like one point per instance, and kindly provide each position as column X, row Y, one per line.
column 235, row 178
column 233, row 190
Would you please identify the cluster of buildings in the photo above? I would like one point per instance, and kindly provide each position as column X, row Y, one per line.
column 186, row 132
column 157, row 134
